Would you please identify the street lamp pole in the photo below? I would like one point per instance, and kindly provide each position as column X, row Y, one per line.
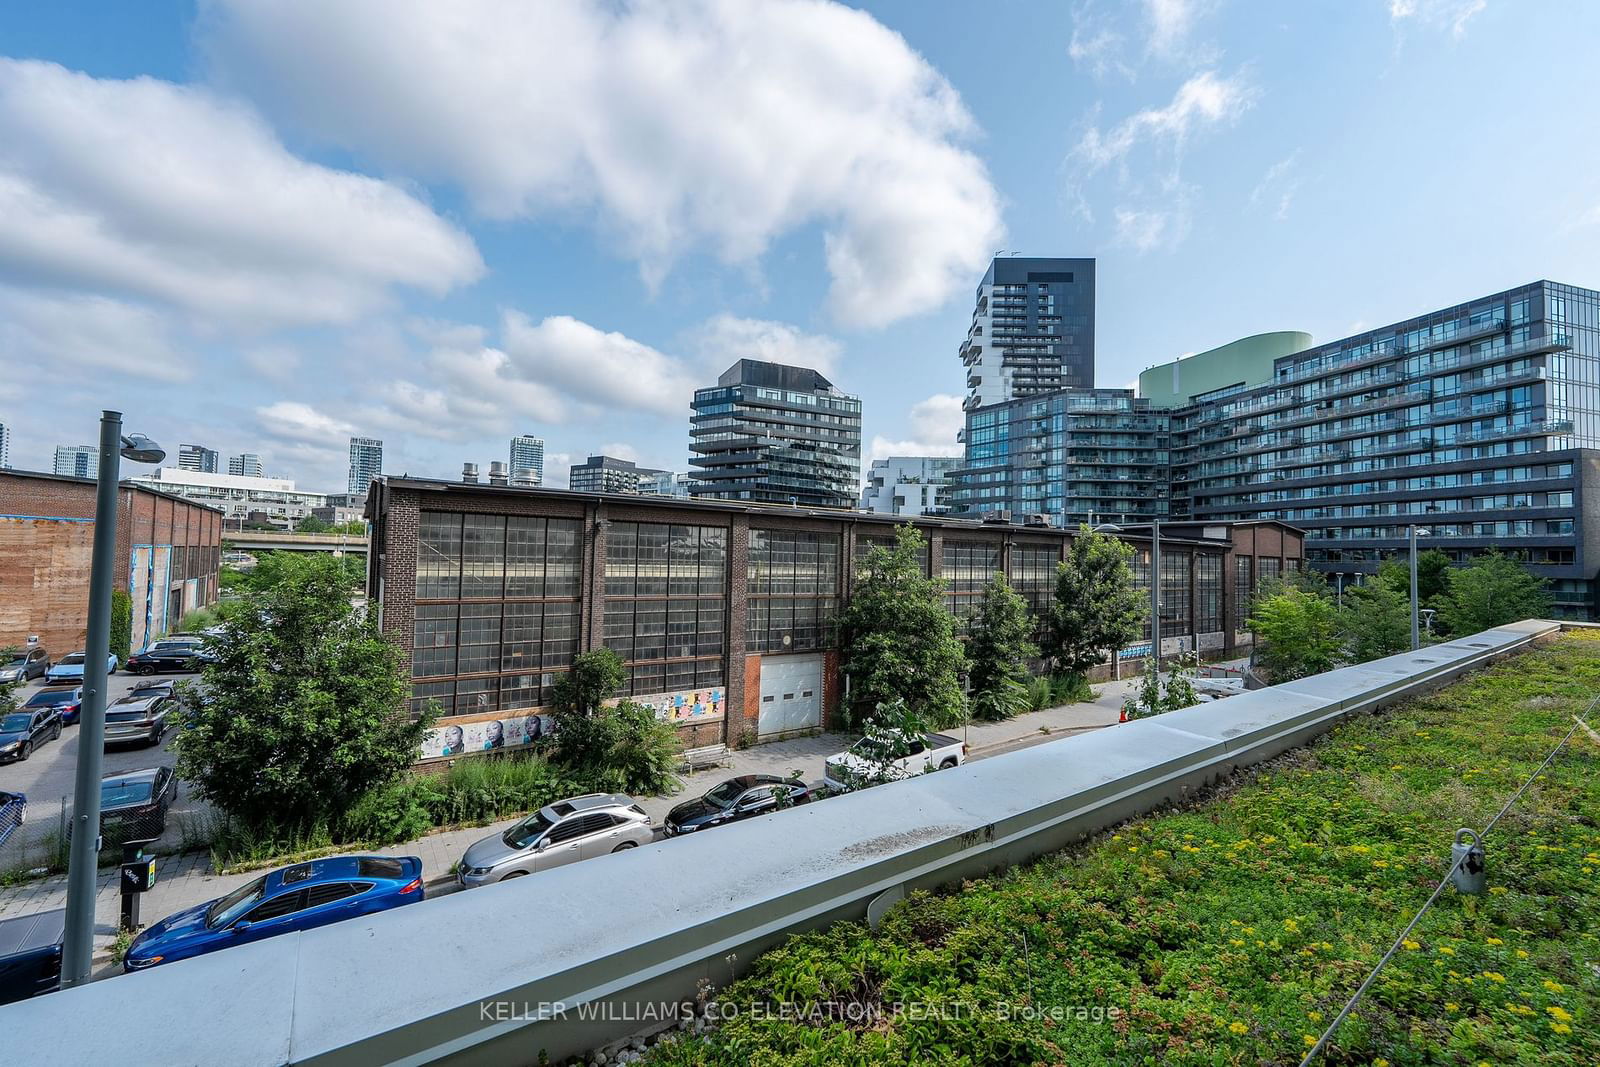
column 83, row 861
column 1416, row 640
column 1155, row 591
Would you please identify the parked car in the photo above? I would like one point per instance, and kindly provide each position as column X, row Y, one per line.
column 170, row 655
column 70, row 668
column 30, row 954
column 300, row 897
column 893, row 755
column 560, row 833
column 13, row 813
column 134, row 805
column 142, row 715
column 737, row 798
column 25, row 730
column 25, row 664
column 67, row 699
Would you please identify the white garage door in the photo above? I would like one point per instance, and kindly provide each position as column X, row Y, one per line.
column 791, row 694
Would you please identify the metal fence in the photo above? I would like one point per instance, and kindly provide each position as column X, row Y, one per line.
column 36, row 835
column 33, row 837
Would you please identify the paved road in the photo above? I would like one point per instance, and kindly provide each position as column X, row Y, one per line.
column 184, row 880
column 48, row 775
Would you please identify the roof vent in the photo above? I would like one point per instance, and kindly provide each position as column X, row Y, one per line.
column 1037, row 519
column 997, row 518
column 497, row 473
column 469, row 473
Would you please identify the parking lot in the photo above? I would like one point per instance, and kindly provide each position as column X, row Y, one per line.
column 48, row 774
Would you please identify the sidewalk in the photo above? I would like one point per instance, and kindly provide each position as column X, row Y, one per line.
column 185, row 880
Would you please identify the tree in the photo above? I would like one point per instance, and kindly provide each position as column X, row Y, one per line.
column 1492, row 591
column 1433, row 575
column 1297, row 634
column 1303, row 579
column 1376, row 621
column 1153, row 697
column 999, row 646
column 304, row 710
column 884, row 737
column 594, row 678
column 121, row 625
column 312, row 525
column 621, row 749
column 1097, row 608
column 8, row 690
column 273, row 568
column 897, row 639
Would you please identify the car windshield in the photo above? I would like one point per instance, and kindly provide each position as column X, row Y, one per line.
column 527, row 831
column 16, row 661
column 236, row 903
column 46, row 697
column 120, row 792
column 76, row 657
column 725, row 794
column 15, row 723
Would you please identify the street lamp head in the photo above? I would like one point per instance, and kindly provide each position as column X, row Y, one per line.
column 1107, row 527
column 140, row 449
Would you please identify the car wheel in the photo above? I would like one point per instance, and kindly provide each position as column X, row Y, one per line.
column 155, row 737
column 515, row 874
column 55, row 735
column 25, row 752
column 625, row 846
column 144, row 670
column 947, row 764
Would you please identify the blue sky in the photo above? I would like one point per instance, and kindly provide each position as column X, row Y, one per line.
column 264, row 226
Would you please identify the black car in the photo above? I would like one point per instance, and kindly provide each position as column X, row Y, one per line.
column 30, row 954
column 24, row 730
column 169, row 656
column 133, row 806
column 737, row 798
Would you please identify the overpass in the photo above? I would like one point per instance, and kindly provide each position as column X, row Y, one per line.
column 275, row 541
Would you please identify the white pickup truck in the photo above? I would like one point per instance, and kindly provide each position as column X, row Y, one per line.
column 892, row 756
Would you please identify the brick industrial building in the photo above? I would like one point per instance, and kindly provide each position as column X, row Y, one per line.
column 721, row 610
column 168, row 552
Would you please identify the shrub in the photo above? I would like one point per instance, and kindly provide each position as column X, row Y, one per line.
column 594, row 678
column 623, row 749
column 1039, row 694
column 1070, row 689
column 388, row 815
column 121, row 625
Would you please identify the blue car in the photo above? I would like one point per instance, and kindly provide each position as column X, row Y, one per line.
column 68, row 699
column 293, row 898
column 70, row 669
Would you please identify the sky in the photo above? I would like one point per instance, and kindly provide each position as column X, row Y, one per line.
column 266, row 225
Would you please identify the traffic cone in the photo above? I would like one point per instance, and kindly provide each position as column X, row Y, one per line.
column 1123, row 715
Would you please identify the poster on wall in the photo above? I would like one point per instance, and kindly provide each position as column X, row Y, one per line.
column 492, row 735
column 691, row 705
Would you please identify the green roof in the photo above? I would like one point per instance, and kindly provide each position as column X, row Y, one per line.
column 1247, row 361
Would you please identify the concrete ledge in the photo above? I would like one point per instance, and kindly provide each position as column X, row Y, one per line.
column 644, row 927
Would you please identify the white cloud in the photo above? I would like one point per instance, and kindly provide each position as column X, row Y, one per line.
column 1278, row 186
column 1149, row 229
column 933, row 423
column 713, row 124
column 1171, row 22
column 1206, row 99
column 724, row 339
column 301, row 424
column 74, row 331
column 155, row 192
column 607, row 369
column 619, row 450
column 1095, row 44
column 1439, row 14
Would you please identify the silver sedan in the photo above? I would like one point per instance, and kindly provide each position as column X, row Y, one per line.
column 564, row 832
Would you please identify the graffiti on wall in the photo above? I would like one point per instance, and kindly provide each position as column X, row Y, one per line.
column 492, row 735
column 691, row 705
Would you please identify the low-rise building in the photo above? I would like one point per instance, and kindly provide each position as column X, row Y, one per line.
column 241, row 499
column 721, row 610
column 608, row 474
column 168, row 553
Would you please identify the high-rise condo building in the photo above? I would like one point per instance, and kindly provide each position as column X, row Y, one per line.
column 1032, row 330
column 197, row 458
column 909, row 485
column 527, row 455
column 775, row 433
column 607, row 474
column 246, row 465
column 5, row 446
column 77, row 461
column 366, row 462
